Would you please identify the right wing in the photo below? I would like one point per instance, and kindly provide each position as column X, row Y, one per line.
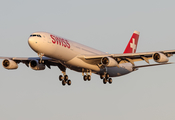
column 33, row 62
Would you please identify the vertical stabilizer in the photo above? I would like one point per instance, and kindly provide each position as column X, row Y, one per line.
column 132, row 45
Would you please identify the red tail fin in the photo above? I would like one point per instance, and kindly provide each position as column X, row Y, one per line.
column 132, row 45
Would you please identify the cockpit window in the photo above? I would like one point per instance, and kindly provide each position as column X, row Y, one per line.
column 34, row 35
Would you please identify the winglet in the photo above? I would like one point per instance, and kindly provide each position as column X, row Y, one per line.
column 132, row 45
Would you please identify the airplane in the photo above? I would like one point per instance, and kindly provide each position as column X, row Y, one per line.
column 53, row 50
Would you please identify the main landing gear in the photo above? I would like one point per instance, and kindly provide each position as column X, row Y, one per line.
column 65, row 80
column 106, row 78
column 87, row 76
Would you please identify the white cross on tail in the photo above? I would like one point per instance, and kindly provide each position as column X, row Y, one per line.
column 133, row 45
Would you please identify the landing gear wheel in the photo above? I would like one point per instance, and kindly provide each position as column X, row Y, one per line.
column 107, row 76
column 60, row 77
column 101, row 76
column 110, row 80
column 104, row 80
column 63, row 82
column 89, row 77
column 85, row 78
column 69, row 82
column 66, row 77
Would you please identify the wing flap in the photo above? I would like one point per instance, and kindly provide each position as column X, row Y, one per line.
column 152, row 65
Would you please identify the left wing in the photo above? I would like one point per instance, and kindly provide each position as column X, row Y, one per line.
column 129, row 55
column 158, row 56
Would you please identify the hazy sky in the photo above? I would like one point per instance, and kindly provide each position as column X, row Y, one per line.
column 146, row 94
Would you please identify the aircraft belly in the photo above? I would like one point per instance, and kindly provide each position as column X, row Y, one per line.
column 78, row 65
column 124, row 68
column 115, row 71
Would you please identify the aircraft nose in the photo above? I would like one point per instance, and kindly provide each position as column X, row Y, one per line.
column 32, row 42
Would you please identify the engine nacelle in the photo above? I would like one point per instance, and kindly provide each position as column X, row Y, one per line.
column 9, row 64
column 35, row 65
column 160, row 58
column 109, row 62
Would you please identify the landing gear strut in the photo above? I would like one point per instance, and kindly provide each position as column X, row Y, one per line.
column 40, row 56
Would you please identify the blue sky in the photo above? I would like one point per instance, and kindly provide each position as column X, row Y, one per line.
column 105, row 25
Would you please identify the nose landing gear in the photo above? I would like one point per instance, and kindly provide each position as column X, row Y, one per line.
column 40, row 56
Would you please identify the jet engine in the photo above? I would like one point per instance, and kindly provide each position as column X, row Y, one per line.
column 9, row 64
column 109, row 62
column 35, row 65
column 160, row 58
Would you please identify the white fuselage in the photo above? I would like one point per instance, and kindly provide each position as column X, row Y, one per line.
column 68, row 51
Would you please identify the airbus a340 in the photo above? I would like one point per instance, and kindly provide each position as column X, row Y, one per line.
column 57, row 51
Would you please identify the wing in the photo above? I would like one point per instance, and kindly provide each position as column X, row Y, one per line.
column 125, row 58
column 26, row 60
